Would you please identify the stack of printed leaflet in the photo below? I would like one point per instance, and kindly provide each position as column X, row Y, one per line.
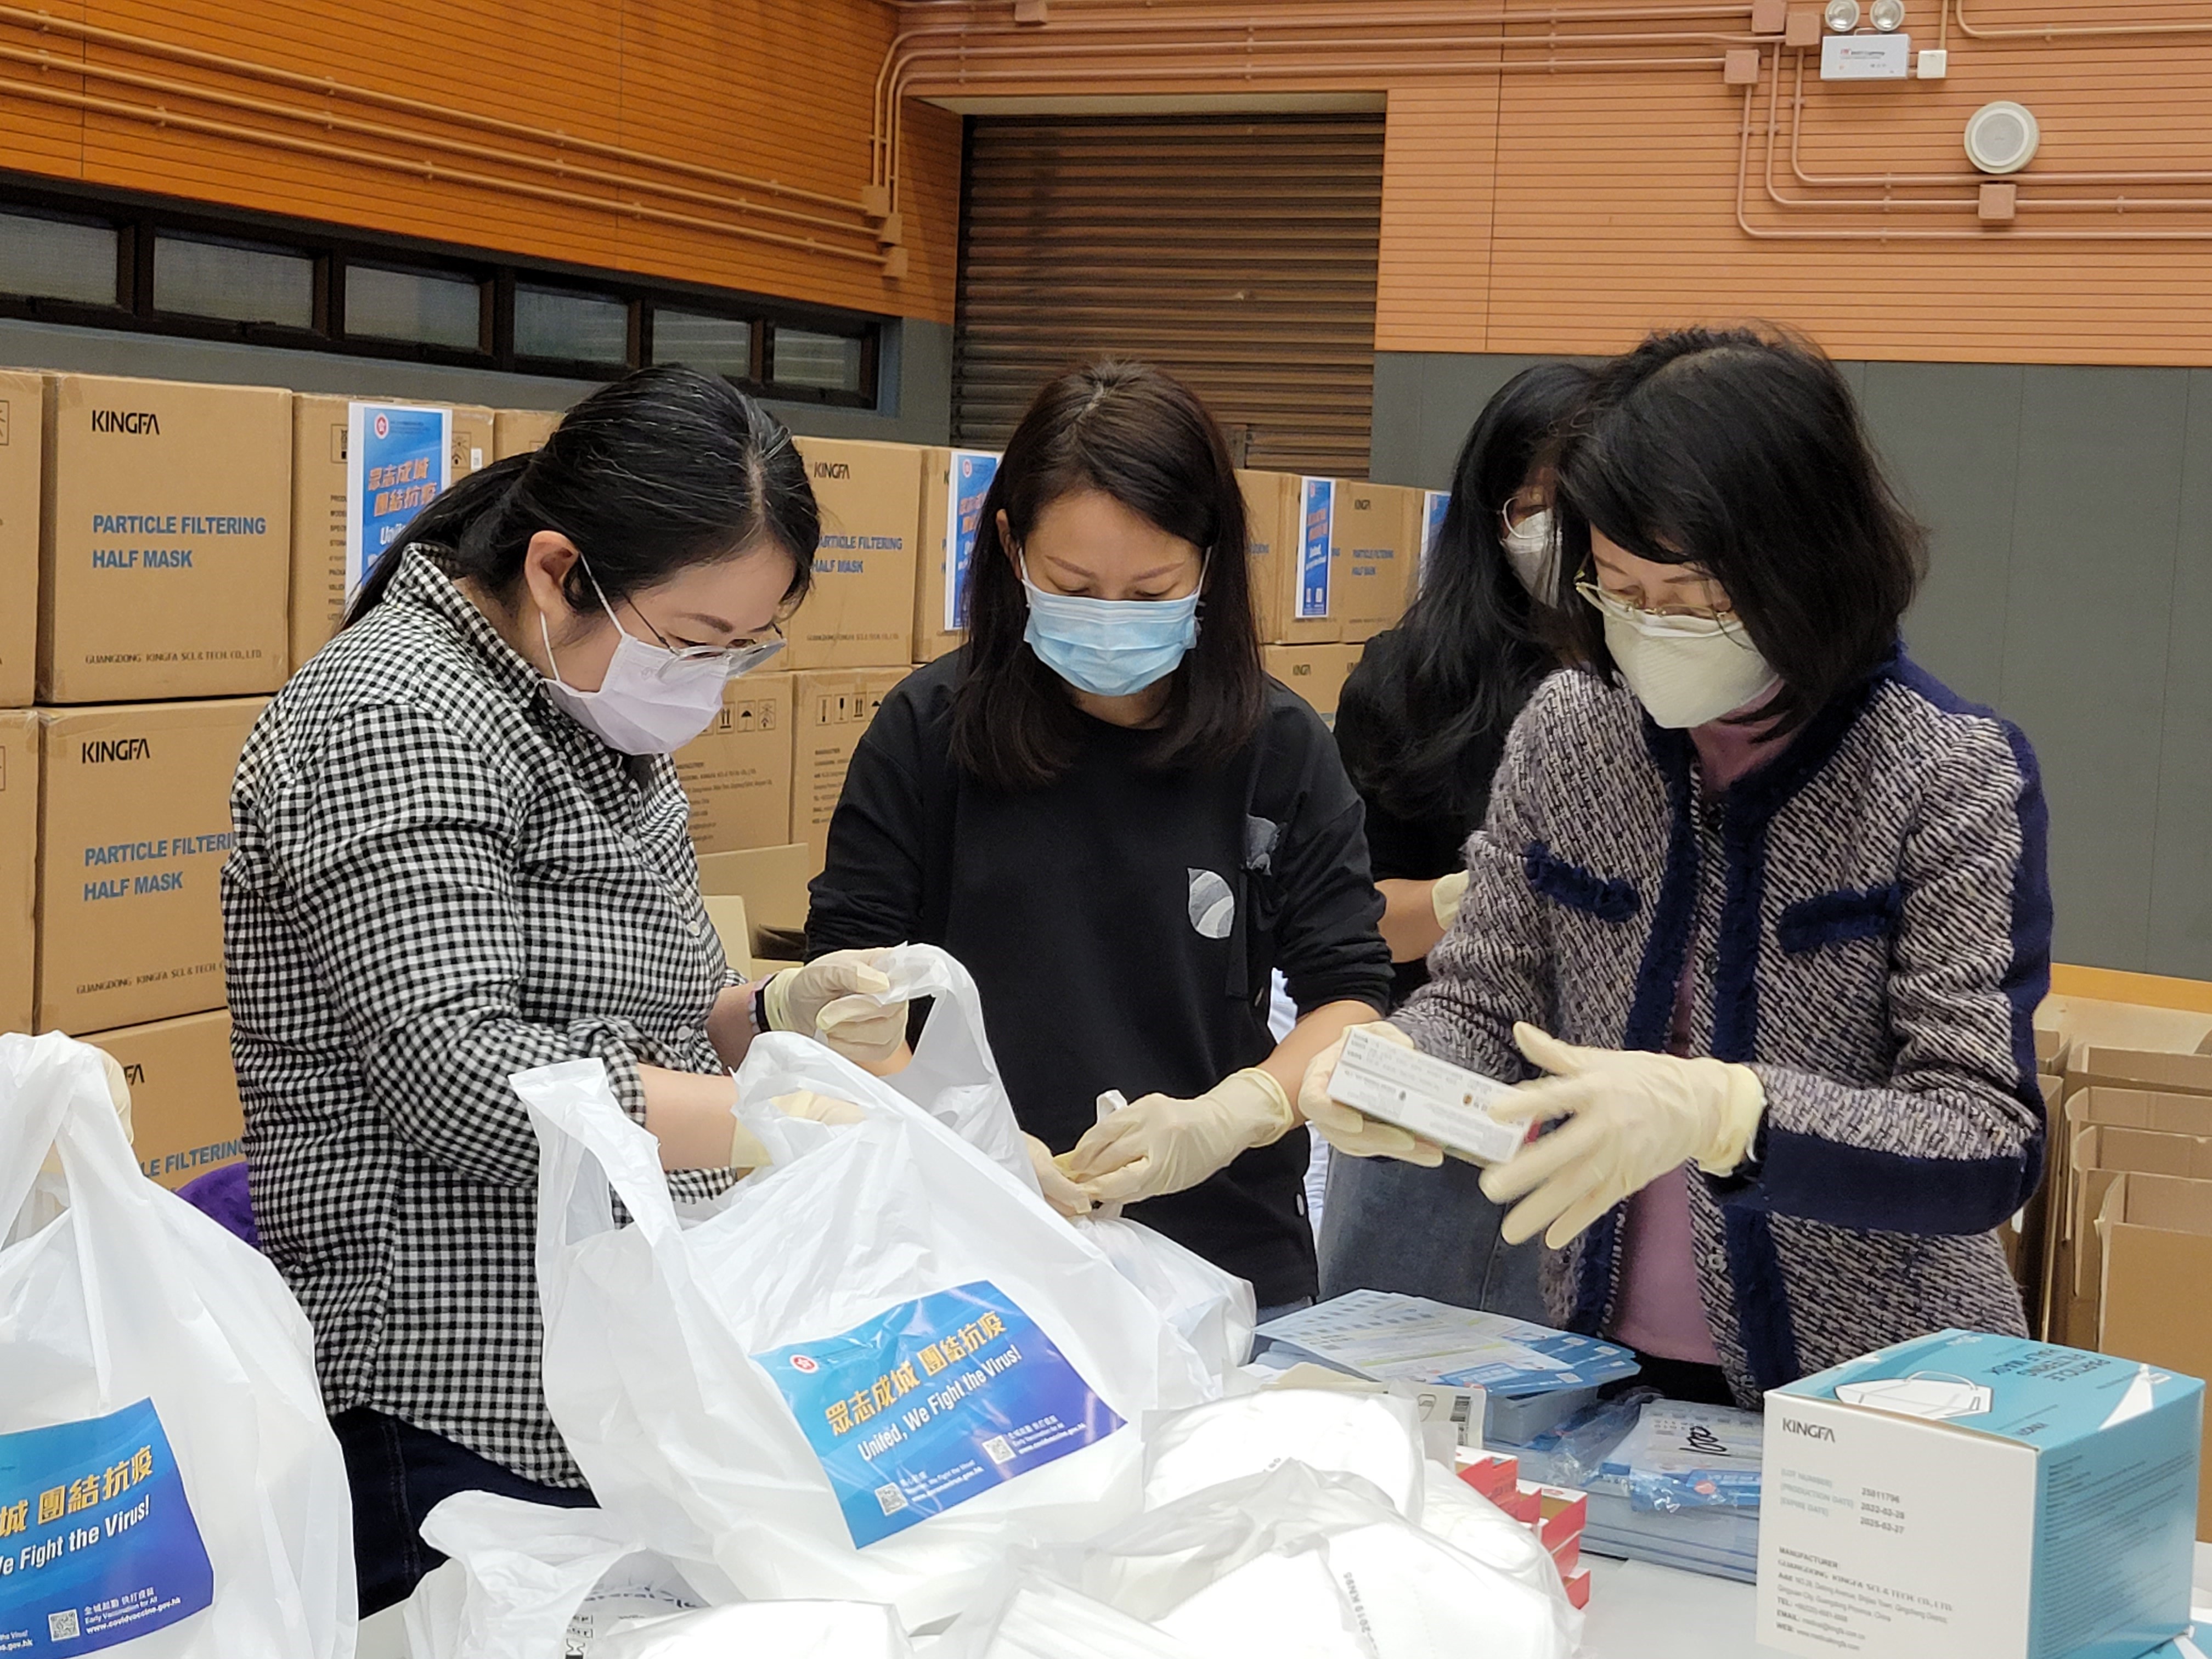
column 1535, row 1377
column 1669, row 1482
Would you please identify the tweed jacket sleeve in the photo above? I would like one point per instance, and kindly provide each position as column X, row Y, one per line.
column 407, row 838
column 1952, row 1142
column 1495, row 966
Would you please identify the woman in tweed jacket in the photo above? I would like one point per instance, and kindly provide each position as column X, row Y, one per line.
column 1789, row 908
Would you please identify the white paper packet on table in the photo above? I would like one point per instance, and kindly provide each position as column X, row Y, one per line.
column 863, row 1373
column 157, row 1389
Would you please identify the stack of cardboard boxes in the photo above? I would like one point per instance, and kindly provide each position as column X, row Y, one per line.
column 190, row 545
column 186, row 545
column 2126, row 1254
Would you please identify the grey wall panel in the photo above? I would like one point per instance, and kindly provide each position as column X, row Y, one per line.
column 1401, row 418
column 1950, row 435
column 918, row 364
column 2180, row 939
column 2071, row 585
column 2086, row 616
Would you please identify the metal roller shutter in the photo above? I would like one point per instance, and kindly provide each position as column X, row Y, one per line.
column 1238, row 253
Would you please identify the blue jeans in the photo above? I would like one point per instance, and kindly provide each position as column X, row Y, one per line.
column 399, row 1473
column 1389, row 1225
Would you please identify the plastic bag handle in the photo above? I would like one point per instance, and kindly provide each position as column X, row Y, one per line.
column 572, row 1107
column 53, row 1096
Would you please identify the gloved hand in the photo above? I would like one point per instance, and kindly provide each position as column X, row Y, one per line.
column 747, row 1151
column 1446, row 897
column 835, row 1000
column 1352, row 1132
column 1635, row 1116
column 1162, row 1145
column 1063, row 1194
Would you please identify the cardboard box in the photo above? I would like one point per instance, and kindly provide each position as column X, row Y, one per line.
column 319, row 508
column 772, row 881
column 1291, row 522
column 185, row 1119
column 834, row 710
column 738, row 773
column 860, row 612
column 727, row 912
column 19, row 864
column 518, row 431
column 1316, row 672
column 2158, row 1259
column 954, row 483
column 1965, row 1493
column 22, row 445
column 1372, row 551
column 165, row 542
column 134, row 827
column 2102, row 1155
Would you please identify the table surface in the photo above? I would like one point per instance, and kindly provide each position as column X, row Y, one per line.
column 1637, row 1611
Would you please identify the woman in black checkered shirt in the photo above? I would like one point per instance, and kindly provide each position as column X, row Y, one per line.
column 462, row 852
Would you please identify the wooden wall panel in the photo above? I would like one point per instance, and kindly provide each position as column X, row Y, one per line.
column 1440, row 172
column 776, row 89
column 1615, row 206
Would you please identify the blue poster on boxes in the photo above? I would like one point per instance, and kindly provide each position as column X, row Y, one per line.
column 398, row 460
column 1433, row 505
column 933, row 1402
column 1316, row 538
column 972, row 473
column 97, row 1545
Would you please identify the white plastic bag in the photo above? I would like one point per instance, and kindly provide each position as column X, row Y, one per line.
column 680, row 1362
column 157, row 1392
column 1034, row 1616
column 1213, row 1309
column 954, row 1077
column 531, row 1581
column 767, row 1630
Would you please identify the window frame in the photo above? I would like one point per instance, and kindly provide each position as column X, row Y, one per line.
column 140, row 219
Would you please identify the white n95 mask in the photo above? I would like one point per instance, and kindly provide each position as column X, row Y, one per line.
column 1532, row 548
column 652, row 701
column 1685, row 671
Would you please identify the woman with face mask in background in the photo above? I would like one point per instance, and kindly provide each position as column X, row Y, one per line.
column 1102, row 807
column 461, row 853
column 1421, row 725
column 1766, row 900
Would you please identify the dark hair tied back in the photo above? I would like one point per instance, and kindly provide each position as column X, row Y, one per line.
column 665, row 469
column 1740, row 451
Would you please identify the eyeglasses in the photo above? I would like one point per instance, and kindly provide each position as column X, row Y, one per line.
column 1604, row 599
column 1525, row 505
column 735, row 659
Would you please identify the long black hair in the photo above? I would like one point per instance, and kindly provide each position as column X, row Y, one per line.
column 1145, row 439
column 665, row 469
column 1471, row 646
column 1740, row 451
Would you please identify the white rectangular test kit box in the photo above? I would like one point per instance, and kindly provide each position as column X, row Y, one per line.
column 1423, row 1095
column 1965, row 1493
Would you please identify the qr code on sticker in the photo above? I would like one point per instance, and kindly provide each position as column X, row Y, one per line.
column 62, row 1627
column 891, row 1499
column 997, row 1451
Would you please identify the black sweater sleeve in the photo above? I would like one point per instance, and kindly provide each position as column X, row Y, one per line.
column 871, row 890
column 1326, row 945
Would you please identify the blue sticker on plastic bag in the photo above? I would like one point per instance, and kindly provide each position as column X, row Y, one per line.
column 933, row 1402
column 98, row 1544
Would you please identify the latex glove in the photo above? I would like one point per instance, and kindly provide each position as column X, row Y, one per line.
column 119, row 1094
column 1162, row 1145
column 1446, row 897
column 1352, row 1132
column 836, row 999
column 747, row 1151
column 1634, row 1117
column 1063, row 1194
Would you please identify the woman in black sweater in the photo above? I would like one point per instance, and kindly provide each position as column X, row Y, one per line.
column 1421, row 725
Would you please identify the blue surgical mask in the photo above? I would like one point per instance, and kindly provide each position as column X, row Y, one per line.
column 1110, row 647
